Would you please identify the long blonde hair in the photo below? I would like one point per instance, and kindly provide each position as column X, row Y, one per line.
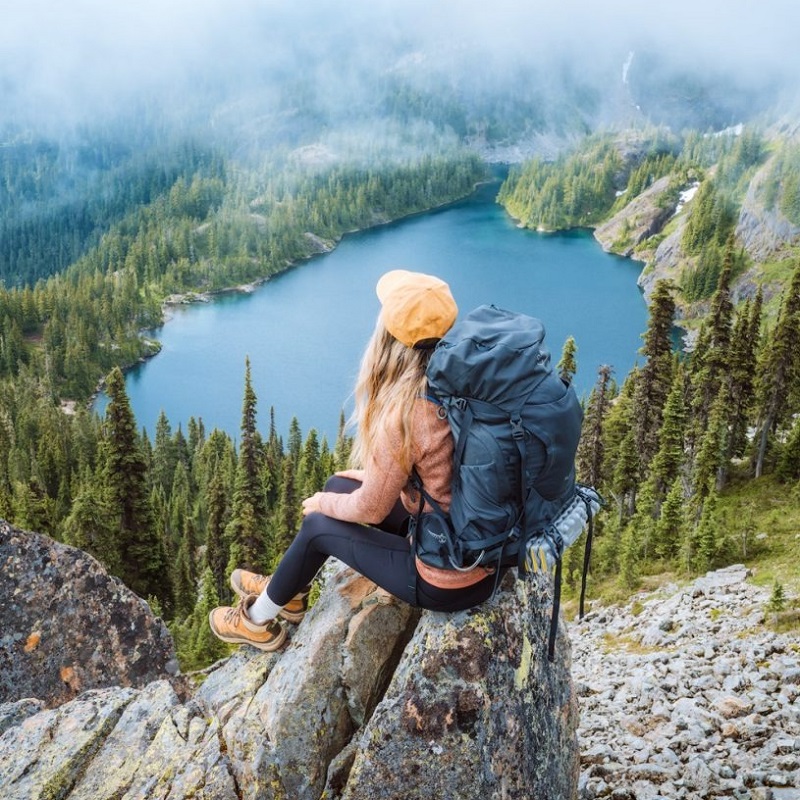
column 391, row 378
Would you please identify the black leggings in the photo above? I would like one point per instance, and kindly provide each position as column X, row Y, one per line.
column 380, row 553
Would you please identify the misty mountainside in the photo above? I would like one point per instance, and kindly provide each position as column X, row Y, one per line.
column 88, row 136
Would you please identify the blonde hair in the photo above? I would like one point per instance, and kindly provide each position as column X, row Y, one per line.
column 391, row 378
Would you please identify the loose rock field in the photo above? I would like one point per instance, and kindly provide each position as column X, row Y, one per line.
column 687, row 694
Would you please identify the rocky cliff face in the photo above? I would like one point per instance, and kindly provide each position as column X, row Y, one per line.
column 642, row 218
column 67, row 626
column 369, row 700
column 763, row 232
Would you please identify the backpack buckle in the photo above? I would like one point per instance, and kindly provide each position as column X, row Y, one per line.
column 517, row 431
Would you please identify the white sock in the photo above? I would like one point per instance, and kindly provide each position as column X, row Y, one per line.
column 263, row 609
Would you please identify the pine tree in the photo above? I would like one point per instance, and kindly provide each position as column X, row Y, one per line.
column 216, row 553
column 742, row 373
column 788, row 467
column 185, row 571
column 704, row 539
column 670, row 527
column 709, row 364
column 667, row 462
column 287, row 513
column 164, row 455
column 91, row 524
column 343, row 446
column 198, row 646
column 590, row 455
column 247, row 527
column 655, row 378
column 624, row 481
column 780, row 370
column 273, row 462
column 568, row 365
column 295, row 442
column 629, row 556
column 124, row 477
column 310, row 478
column 710, row 455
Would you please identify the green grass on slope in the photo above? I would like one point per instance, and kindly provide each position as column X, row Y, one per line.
column 760, row 522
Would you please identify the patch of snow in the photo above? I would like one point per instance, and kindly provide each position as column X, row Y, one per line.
column 685, row 196
column 733, row 130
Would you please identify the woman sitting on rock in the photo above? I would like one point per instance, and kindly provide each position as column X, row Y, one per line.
column 362, row 516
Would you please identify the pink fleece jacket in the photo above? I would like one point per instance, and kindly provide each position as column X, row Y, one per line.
column 385, row 480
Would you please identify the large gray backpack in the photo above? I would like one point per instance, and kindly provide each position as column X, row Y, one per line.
column 516, row 426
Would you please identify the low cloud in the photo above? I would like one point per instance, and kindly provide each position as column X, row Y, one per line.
column 89, row 57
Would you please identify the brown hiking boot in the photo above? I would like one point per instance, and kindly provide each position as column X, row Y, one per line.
column 233, row 625
column 245, row 583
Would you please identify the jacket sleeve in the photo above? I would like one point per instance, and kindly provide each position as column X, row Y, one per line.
column 384, row 478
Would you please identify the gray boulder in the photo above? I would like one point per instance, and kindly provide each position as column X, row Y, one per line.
column 474, row 710
column 68, row 626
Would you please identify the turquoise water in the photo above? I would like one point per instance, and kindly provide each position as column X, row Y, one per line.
column 304, row 330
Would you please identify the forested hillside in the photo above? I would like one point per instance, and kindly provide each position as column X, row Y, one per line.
column 696, row 451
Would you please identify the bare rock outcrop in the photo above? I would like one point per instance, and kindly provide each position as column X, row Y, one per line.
column 763, row 231
column 369, row 699
column 68, row 626
column 474, row 710
column 642, row 218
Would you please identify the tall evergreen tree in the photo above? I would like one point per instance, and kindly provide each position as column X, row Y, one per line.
column 343, row 445
column 670, row 526
column 91, row 524
column 310, row 477
column 568, row 365
column 295, row 441
column 124, row 477
column 788, row 467
column 287, row 512
column 164, row 455
column 621, row 462
column 709, row 363
column 780, row 370
column 655, row 378
column 669, row 458
column 247, row 527
column 590, row 455
column 216, row 553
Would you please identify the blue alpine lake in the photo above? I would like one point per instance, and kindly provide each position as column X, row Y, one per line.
column 305, row 329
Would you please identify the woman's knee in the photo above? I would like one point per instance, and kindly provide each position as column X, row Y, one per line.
column 340, row 485
column 313, row 525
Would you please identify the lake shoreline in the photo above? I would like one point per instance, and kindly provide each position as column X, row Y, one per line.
column 323, row 247
column 191, row 298
column 304, row 335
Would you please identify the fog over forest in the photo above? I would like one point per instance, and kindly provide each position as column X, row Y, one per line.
column 242, row 61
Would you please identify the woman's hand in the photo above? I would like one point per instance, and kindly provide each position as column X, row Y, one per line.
column 311, row 504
